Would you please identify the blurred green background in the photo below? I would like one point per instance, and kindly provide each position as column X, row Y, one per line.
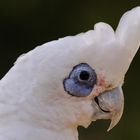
column 25, row 24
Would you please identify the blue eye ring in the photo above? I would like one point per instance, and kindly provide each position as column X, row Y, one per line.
column 80, row 81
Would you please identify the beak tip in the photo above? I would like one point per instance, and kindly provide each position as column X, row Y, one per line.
column 115, row 119
column 111, row 126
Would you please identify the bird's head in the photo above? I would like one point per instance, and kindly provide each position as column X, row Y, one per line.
column 77, row 79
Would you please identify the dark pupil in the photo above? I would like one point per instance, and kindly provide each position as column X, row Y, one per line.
column 84, row 75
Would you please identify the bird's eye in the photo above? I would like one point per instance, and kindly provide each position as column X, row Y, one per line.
column 80, row 81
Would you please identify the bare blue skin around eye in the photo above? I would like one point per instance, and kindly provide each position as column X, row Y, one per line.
column 79, row 86
column 77, row 89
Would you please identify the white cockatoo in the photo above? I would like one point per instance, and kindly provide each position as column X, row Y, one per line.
column 69, row 82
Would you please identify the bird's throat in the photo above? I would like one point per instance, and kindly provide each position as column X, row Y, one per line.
column 22, row 131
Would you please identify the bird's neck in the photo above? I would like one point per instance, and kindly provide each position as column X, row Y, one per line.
column 16, row 130
column 23, row 123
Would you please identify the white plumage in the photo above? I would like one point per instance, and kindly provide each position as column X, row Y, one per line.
column 33, row 102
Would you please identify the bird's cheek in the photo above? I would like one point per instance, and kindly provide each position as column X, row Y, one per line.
column 85, row 117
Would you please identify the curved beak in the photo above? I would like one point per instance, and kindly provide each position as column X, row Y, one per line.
column 110, row 106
